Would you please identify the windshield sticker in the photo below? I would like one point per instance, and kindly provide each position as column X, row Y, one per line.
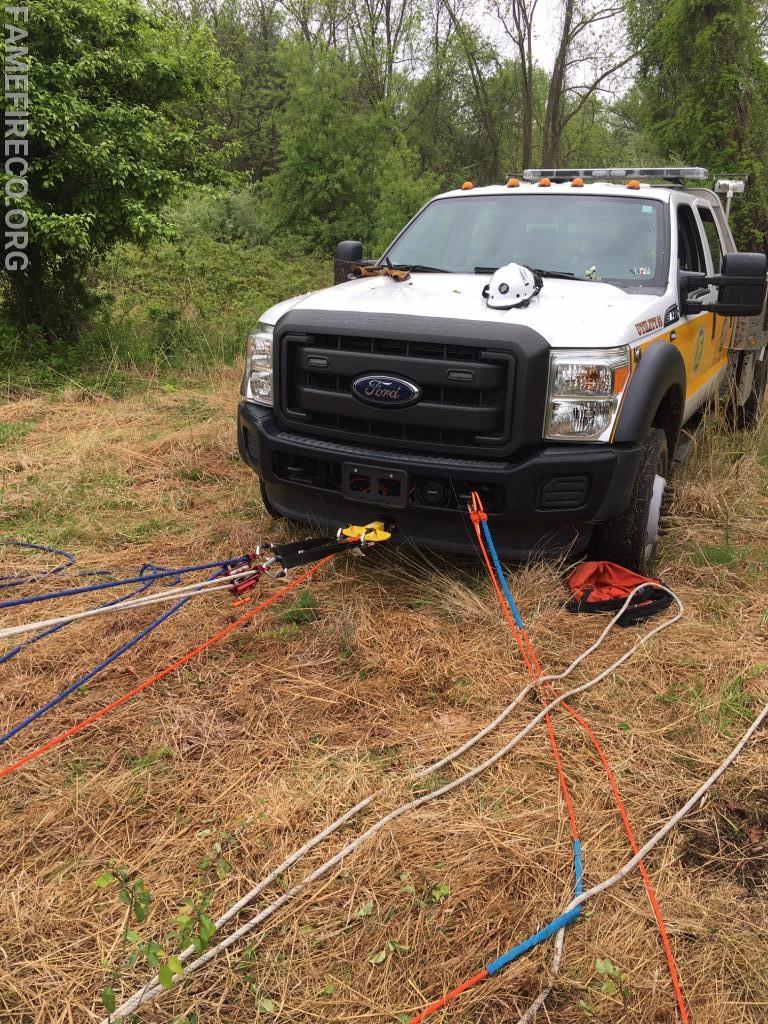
column 671, row 315
column 641, row 271
column 653, row 323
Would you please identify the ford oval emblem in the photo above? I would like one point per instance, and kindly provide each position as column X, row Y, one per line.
column 390, row 392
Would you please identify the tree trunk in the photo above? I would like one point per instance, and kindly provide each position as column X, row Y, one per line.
column 490, row 126
column 551, row 142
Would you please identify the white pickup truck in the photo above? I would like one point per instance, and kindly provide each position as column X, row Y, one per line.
column 542, row 342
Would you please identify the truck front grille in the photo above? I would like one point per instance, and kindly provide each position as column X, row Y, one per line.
column 464, row 405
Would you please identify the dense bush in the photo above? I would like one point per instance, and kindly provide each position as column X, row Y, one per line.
column 111, row 138
column 169, row 311
column 219, row 215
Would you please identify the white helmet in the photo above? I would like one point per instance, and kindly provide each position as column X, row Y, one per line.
column 512, row 285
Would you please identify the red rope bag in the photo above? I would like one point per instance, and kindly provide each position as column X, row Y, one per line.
column 605, row 586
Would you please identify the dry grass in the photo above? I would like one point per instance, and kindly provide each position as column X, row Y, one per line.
column 268, row 737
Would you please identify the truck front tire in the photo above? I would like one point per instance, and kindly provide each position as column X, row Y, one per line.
column 631, row 538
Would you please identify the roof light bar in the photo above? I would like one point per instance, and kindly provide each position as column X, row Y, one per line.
column 534, row 173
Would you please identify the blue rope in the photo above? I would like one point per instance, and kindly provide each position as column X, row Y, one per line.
column 17, row 581
column 552, row 928
column 569, row 916
column 118, row 653
column 499, row 572
column 165, row 574
column 14, row 651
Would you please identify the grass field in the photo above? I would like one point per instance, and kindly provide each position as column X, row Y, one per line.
column 202, row 784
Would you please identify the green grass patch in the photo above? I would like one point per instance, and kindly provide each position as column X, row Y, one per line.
column 303, row 610
column 14, row 432
column 718, row 555
column 735, row 705
column 94, row 507
column 170, row 313
column 152, row 759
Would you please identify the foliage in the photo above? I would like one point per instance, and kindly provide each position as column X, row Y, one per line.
column 724, row 125
column 381, row 955
column 216, row 859
column 611, row 984
column 249, row 105
column 168, row 310
column 193, row 927
column 133, row 894
column 438, row 893
column 229, row 139
column 345, row 172
column 465, row 114
column 219, row 215
column 109, row 142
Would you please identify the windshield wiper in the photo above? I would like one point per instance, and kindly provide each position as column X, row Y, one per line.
column 419, row 268
column 565, row 274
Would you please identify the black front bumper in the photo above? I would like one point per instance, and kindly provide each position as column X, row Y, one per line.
column 544, row 503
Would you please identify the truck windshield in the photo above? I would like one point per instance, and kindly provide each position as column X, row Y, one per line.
column 606, row 238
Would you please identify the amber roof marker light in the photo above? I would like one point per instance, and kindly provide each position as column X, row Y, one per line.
column 467, row 185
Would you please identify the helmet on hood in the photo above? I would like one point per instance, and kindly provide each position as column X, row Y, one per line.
column 511, row 286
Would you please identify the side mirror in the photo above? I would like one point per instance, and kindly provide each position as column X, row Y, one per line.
column 348, row 254
column 743, row 284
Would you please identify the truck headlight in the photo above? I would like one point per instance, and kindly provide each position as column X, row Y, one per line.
column 585, row 389
column 257, row 381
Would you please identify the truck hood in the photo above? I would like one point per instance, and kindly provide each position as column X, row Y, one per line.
column 568, row 314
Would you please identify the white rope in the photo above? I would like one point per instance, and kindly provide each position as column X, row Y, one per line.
column 630, row 866
column 153, row 987
column 655, row 839
column 554, row 970
column 622, row 873
column 171, row 594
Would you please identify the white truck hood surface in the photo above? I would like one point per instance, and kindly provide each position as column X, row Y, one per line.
column 568, row 314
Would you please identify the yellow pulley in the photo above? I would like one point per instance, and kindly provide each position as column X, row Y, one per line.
column 370, row 534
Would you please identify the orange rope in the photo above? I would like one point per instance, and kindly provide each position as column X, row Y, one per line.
column 440, row 1003
column 75, row 729
column 530, row 658
column 531, row 661
column 620, row 807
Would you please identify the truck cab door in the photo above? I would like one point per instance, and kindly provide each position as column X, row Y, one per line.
column 715, row 247
column 697, row 337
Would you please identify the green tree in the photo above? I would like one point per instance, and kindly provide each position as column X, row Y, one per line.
column 609, row 135
column 346, row 169
column 249, row 108
column 704, row 80
column 108, row 142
